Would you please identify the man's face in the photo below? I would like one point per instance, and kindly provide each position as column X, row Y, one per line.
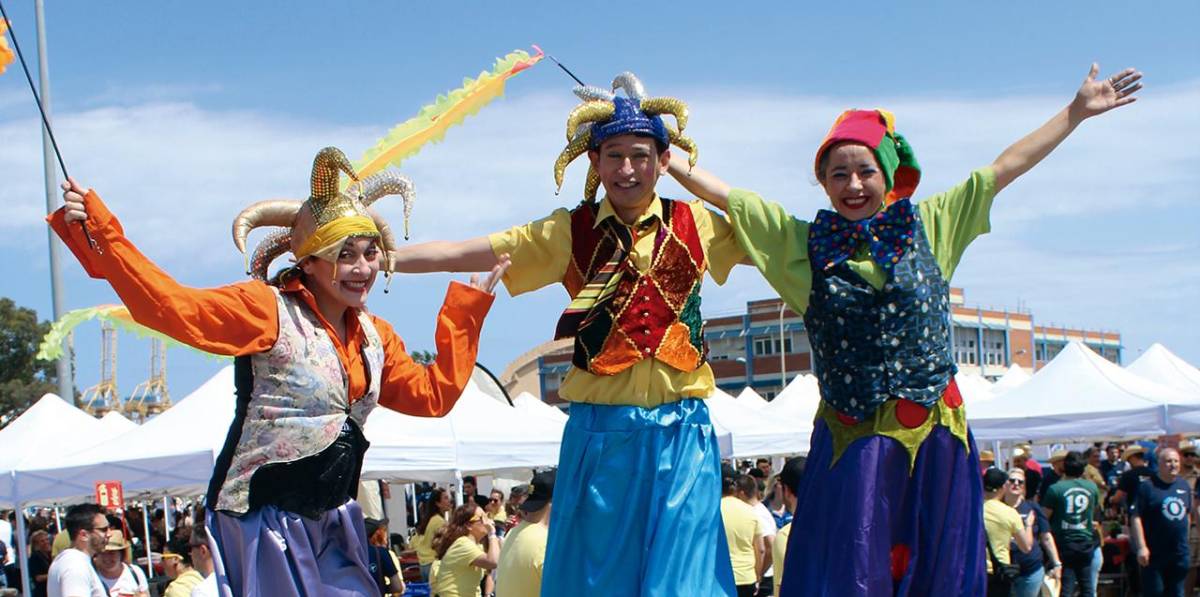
column 629, row 166
column 1169, row 461
column 765, row 467
column 1057, row 465
column 98, row 535
column 1113, row 453
column 468, row 488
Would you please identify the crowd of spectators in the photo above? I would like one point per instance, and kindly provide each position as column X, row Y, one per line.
column 1117, row 519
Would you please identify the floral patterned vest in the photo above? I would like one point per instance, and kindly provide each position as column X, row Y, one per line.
column 292, row 402
column 655, row 314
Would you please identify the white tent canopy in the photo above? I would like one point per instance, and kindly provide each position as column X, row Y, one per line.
column 46, row 431
column 796, row 406
column 751, row 399
column 974, row 388
column 1161, row 365
column 115, row 423
column 479, row 436
column 1013, row 377
column 527, row 403
column 1080, row 395
column 753, row 433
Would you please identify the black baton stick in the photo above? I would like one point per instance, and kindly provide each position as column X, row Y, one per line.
column 38, row 99
column 566, row 70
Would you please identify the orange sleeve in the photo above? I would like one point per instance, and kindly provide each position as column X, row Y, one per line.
column 432, row 390
column 231, row 320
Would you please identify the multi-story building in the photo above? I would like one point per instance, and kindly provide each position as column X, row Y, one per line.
column 765, row 347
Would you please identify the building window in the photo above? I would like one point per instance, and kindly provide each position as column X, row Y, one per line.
column 765, row 345
column 965, row 352
column 994, row 349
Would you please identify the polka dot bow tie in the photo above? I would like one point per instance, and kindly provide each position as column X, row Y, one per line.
column 888, row 233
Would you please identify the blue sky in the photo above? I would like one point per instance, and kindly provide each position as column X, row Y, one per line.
column 181, row 113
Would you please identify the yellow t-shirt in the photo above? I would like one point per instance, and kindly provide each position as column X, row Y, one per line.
column 1002, row 522
column 426, row 554
column 62, row 540
column 778, row 553
column 541, row 251
column 456, row 576
column 741, row 529
column 521, row 560
column 183, row 585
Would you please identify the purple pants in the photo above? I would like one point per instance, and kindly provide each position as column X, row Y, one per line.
column 868, row 527
column 271, row 552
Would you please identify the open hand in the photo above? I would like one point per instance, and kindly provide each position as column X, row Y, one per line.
column 73, row 201
column 1099, row 96
column 489, row 284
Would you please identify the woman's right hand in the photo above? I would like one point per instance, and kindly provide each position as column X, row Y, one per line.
column 73, row 201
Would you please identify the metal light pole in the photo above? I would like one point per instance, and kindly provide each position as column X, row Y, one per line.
column 66, row 385
column 782, row 351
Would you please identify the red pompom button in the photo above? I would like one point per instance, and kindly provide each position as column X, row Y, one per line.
column 952, row 397
column 910, row 414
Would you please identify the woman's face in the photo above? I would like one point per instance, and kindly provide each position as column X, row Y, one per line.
column 444, row 502
column 494, row 502
column 347, row 282
column 108, row 560
column 477, row 527
column 853, row 181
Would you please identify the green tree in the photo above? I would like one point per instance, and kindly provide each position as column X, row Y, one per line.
column 423, row 357
column 23, row 379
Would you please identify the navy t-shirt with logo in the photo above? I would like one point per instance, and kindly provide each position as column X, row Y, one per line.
column 1029, row 562
column 1163, row 508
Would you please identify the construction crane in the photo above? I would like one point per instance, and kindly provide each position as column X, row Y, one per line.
column 151, row 397
column 102, row 397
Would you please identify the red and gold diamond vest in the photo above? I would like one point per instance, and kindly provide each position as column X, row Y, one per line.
column 655, row 314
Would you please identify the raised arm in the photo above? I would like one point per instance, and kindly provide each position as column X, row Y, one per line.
column 700, row 182
column 1093, row 98
column 473, row 255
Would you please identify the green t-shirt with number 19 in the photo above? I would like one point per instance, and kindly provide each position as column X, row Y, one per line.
column 1074, row 503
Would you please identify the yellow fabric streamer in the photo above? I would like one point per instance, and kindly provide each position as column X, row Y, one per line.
column 6, row 53
column 335, row 232
column 430, row 124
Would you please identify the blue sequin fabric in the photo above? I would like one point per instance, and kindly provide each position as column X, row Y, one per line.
column 628, row 118
column 870, row 345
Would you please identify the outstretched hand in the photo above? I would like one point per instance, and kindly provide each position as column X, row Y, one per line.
column 73, row 201
column 1099, row 96
column 488, row 284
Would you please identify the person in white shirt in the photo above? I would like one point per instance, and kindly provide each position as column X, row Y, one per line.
column 119, row 578
column 71, row 572
column 750, row 490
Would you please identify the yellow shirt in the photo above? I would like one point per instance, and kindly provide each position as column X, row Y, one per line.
column 62, row 540
column 741, row 529
column 183, row 585
column 521, row 560
column 426, row 554
column 779, row 552
column 541, row 252
column 1001, row 522
column 457, row 577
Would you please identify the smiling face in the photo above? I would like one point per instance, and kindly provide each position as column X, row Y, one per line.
column 853, row 180
column 347, row 282
column 629, row 166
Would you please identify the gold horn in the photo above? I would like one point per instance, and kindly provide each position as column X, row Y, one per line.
column 592, row 184
column 273, row 212
column 667, row 105
column 326, row 166
column 271, row 247
column 574, row 149
column 685, row 143
column 596, row 111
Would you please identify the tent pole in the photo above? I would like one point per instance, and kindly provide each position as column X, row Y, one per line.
column 167, row 518
column 146, row 530
column 458, row 495
column 22, row 550
column 58, row 519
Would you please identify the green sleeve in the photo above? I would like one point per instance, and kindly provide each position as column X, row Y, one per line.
column 954, row 218
column 776, row 243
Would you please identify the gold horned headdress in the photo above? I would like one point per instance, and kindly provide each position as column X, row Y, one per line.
column 604, row 114
column 320, row 225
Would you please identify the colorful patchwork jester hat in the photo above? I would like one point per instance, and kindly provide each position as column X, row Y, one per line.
column 877, row 129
